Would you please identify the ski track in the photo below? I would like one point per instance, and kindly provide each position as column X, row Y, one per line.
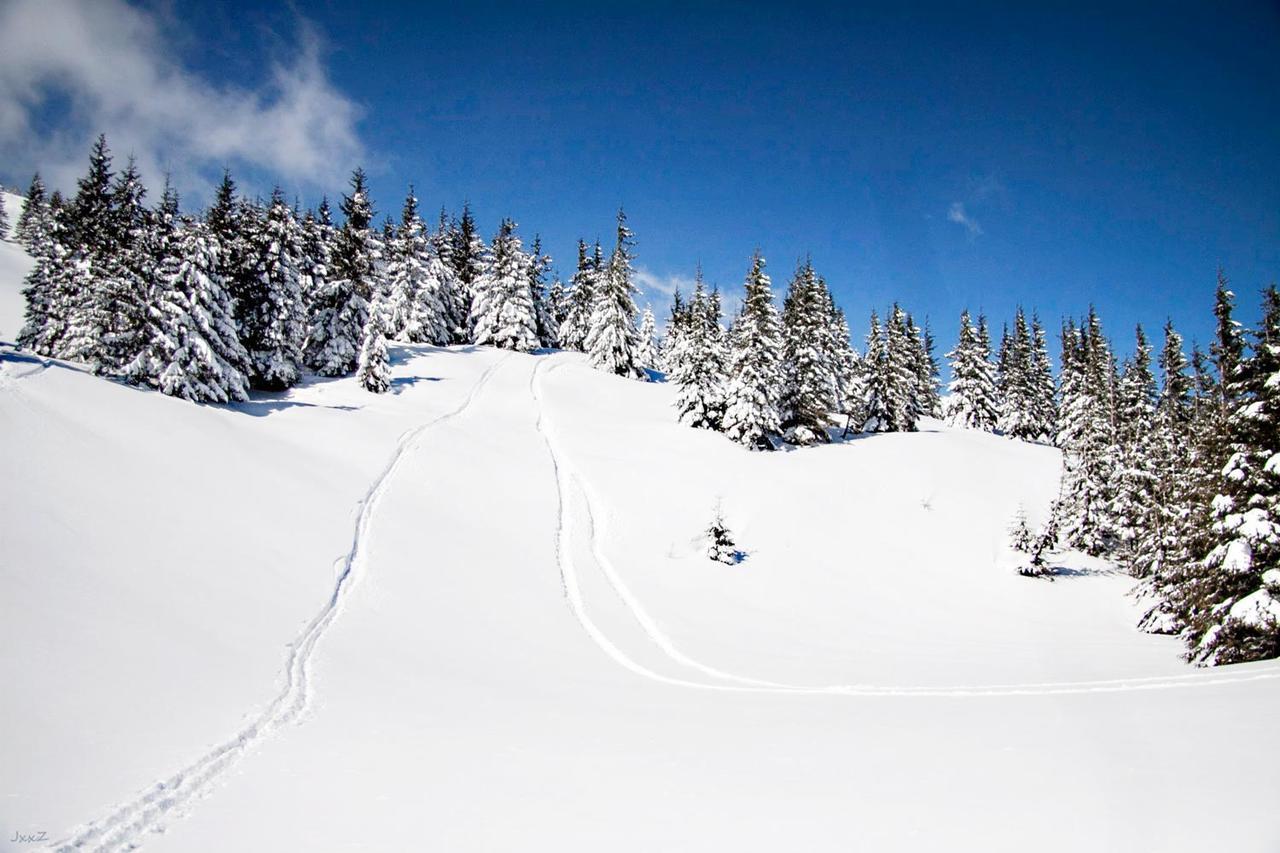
column 566, row 479
column 128, row 824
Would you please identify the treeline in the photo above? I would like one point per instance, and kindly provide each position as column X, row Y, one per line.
column 1175, row 478
column 252, row 294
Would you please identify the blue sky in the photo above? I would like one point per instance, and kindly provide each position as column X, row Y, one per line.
column 941, row 156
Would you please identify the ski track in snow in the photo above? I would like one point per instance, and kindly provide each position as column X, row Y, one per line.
column 129, row 823
column 566, row 479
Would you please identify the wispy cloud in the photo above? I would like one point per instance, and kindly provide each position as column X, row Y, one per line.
column 654, row 284
column 956, row 213
column 114, row 67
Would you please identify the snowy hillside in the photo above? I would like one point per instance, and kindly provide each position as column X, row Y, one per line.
column 476, row 614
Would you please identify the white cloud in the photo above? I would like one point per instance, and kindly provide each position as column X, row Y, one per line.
column 110, row 68
column 651, row 283
column 956, row 214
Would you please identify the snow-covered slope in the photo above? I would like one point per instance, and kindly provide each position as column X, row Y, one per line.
column 14, row 264
column 473, row 614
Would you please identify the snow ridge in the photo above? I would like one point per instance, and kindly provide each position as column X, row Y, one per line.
column 566, row 480
column 130, row 822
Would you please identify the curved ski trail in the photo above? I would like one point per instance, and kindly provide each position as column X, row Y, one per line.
column 130, row 822
column 566, row 480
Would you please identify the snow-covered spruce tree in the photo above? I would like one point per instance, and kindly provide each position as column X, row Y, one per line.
column 1043, row 390
column 418, row 312
column 581, row 295
column 677, row 321
column 4, row 217
column 875, row 367
column 973, row 402
column 1236, row 593
column 902, row 384
column 1160, row 553
column 457, row 307
column 89, row 234
column 469, row 257
column 698, row 364
column 313, row 271
column 129, row 288
column 50, row 287
column 374, row 369
column 612, row 340
column 273, row 317
column 848, row 382
column 502, row 309
column 806, row 400
column 225, row 220
column 647, row 354
column 720, row 544
column 1086, row 436
column 342, row 309
column 1135, row 428
column 34, row 212
column 1019, row 416
column 198, row 352
column 927, row 373
column 751, row 415
column 558, row 306
column 543, row 312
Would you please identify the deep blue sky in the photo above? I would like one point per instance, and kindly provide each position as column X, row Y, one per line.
column 1107, row 156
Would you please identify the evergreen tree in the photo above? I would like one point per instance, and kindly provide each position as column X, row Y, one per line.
column 973, row 401
column 849, row 384
column 902, row 377
column 612, row 339
column 90, row 236
column 877, row 416
column 543, row 312
column 807, row 387
column 50, row 288
column 374, row 366
column 1040, row 382
column 697, row 364
column 417, row 308
column 4, row 217
column 751, row 414
column 342, row 308
column 197, row 354
column 577, row 320
column 647, row 354
column 929, row 372
column 32, row 221
column 469, row 257
column 502, row 312
column 273, row 315
column 1135, row 437
column 1020, row 408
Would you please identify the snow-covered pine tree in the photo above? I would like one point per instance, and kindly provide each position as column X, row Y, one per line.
column 697, row 365
column 849, row 384
column 502, row 309
column 469, row 256
column 751, row 415
column 1040, row 381
column 902, row 385
column 313, row 272
column 374, row 366
column 1159, row 554
column 129, row 283
column 4, row 217
column 1086, row 436
column 973, row 401
column 806, row 401
column 927, row 380
column 1019, row 408
column 720, row 544
column 558, row 305
column 1135, row 438
column 543, row 312
column 647, row 354
column 273, row 317
column 198, row 352
column 34, row 211
column 875, row 365
column 342, row 309
column 418, row 312
column 612, row 340
column 50, row 287
column 89, row 234
column 577, row 318
column 677, row 320
column 1235, row 596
